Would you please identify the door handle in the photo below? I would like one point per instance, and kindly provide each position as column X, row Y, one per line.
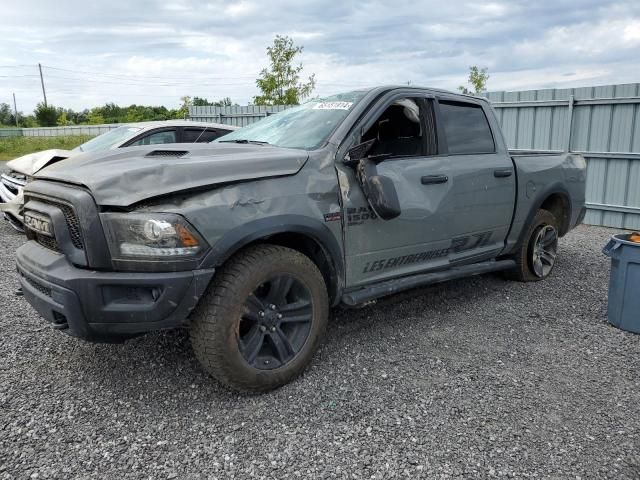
column 502, row 172
column 433, row 179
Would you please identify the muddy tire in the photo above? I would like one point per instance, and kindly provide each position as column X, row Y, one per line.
column 261, row 319
column 536, row 256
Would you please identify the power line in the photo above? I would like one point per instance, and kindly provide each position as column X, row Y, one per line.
column 17, row 76
column 147, row 83
column 145, row 77
column 129, row 77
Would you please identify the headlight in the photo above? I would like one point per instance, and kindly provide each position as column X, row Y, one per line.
column 151, row 236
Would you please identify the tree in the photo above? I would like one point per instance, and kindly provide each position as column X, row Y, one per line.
column 27, row 122
column 95, row 117
column 183, row 111
column 204, row 102
column 223, row 102
column 201, row 102
column 6, row 115
column 477, row 79
column 47, row 116
column 63, row 120
column 280, row 84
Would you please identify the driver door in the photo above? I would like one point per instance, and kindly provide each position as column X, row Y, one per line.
column 418, row 239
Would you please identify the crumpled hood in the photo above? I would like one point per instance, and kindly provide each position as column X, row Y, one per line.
column 126, row 176
column 32, row 162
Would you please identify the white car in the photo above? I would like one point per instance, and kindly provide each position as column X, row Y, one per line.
column 21, row 169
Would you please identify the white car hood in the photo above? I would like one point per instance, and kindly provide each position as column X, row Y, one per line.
column 31, row 163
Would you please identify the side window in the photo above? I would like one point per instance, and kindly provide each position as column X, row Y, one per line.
column 400, row 130
column 190, row 135
column 166, row 136
column 466, row 128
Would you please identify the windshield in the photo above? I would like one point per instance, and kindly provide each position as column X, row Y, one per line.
column 306, row 126
column 108, row 140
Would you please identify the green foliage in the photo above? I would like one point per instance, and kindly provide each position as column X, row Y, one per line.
column 223, row 102
column 47, row 115
column 280, row 84
column 13, row 147
column 204, row 102
column 63, row 120
column 6, row 115
column 183, row 111
column 477, row 80
column 95, row 117
column 51, row 116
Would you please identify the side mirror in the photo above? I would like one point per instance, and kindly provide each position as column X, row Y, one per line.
column 358, row 152
column 379, row 190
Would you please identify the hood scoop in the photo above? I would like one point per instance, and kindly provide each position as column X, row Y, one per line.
column 167, row 153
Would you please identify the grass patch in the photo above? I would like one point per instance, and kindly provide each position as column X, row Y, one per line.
column 12, row 147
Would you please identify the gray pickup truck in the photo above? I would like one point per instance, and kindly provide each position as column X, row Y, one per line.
column 250, row 240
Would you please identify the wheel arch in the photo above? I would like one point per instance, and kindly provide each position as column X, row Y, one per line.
column 554, row 197
column 559, row 204
column 303, row 234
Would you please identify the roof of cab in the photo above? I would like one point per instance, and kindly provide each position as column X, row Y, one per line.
column 178, row 123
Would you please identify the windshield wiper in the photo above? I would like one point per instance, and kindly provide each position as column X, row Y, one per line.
column 244, row 140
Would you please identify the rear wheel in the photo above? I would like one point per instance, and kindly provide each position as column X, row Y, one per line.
column 262, row 319
column 537, row 254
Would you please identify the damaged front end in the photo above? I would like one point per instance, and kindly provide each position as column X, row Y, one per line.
column 12, row 211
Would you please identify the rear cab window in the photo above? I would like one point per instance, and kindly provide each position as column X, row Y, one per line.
column 156, row 138
column 466, row 128
column 201, row 135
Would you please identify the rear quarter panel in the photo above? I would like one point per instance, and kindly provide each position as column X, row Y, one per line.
column 539, row 177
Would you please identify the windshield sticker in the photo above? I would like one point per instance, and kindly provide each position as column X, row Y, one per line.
column 333, row 106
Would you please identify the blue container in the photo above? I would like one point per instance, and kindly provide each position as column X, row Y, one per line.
column 624, row 283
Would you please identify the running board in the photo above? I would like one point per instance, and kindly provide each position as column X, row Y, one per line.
column 390, row 287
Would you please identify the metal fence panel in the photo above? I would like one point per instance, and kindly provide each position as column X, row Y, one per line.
column 602, row 123
column 237, row 115
column 69, row 130
column 58, row 131
column 10, row 132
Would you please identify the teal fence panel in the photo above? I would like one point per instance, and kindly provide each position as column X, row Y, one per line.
column 602, row 123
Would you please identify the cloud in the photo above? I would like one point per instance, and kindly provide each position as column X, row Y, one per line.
column 153, row 52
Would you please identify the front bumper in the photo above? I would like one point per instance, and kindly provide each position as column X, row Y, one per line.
column 106, row 306
column 10, row 188
column 11, row 200
column 13, row 213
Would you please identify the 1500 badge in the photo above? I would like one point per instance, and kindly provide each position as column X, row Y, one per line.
column 358, row 215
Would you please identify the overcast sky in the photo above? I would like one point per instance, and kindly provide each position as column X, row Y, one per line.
column 154, row 52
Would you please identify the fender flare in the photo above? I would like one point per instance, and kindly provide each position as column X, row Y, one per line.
column 555, row 188
column 239, row 237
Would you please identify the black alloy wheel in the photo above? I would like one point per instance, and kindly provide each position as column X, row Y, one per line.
column 276, row 322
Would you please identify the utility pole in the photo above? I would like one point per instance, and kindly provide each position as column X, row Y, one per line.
column 15, row 109
column 44, row 94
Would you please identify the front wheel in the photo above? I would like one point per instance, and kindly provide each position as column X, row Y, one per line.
column 262, row 319
column 536, row 256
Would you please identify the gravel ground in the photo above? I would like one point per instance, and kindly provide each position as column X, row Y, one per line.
column 474, row 378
